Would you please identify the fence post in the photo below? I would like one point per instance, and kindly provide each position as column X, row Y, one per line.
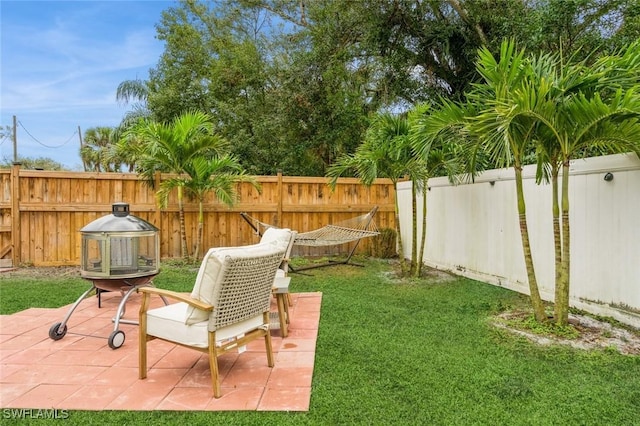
column 156, row 209
column 15, row 214
column 279, row 214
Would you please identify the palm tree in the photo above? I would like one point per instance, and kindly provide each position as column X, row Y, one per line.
column 587, row 123
column 385, row 153
column 132, row 90
column 136, row 92
column 96, row 150
column 440, row 152
column 129, row 148
column 219, row 175
column 504, row 139
column 555, row 109
column 507, row 137
column 574, row 118
column 171, row 148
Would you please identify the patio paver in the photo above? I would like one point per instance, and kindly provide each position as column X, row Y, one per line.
column 81, row 372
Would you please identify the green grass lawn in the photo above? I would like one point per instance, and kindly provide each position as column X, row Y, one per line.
column 406, row 352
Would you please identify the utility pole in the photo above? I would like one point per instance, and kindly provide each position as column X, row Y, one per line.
column 84, row 165
column 15, row 140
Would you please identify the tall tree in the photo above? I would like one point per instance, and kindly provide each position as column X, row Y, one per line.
column 505, row 139
column 135, row 93
column 292, row 84
column 276, row 100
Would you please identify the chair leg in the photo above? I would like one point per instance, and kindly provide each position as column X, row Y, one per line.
column 287, row 304
column 283, row 313
column 142, row 360
column 213, row 366
column 267, row 341
column 142, row 339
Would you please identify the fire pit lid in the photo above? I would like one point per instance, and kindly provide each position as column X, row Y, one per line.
column 119, row 221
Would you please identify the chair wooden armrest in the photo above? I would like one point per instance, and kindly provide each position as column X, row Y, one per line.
column 181, row 297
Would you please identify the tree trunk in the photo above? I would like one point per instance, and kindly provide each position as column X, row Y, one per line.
column 183, row 230
column 423, row 239
column 536, row 300
column 562, row 288
column 455, row 4
column 199, row 237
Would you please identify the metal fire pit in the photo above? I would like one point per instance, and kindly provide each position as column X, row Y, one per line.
column 120, row 252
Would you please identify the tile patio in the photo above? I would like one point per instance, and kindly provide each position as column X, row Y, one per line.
column 81, row 372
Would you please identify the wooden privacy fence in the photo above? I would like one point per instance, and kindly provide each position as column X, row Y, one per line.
column 42, row 212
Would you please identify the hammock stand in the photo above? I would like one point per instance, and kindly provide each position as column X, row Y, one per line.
column 347, row 231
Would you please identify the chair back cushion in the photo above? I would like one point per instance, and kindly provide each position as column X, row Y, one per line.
column 235, row 276
column 283, row 236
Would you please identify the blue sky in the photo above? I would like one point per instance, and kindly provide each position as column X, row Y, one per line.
column 61, row 63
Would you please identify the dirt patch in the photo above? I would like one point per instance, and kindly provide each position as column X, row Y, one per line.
column 58, row 271
column 591, row 333
column 432, row 275
column 437, row 275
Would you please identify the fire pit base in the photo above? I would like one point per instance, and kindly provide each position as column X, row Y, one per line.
column 126, row 286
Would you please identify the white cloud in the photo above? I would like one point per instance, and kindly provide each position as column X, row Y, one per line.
column 62, row 62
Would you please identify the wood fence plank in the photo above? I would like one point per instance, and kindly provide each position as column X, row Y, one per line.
column 52, row 207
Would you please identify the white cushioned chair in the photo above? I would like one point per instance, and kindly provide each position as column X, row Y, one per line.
column 228, row 307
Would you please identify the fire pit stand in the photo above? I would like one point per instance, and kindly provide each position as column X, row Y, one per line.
column 120, row 252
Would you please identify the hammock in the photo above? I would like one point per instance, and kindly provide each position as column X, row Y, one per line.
column 343, row 232
column 333, row 235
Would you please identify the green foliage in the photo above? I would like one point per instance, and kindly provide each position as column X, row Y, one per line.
column 188, row 147
column 292, row 85
column 98, row 151
column 29, row 163
column 558, row 108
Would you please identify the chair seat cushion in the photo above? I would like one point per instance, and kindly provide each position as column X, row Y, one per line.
column 167, row 322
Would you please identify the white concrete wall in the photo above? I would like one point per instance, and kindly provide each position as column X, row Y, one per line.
column 473, row 230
